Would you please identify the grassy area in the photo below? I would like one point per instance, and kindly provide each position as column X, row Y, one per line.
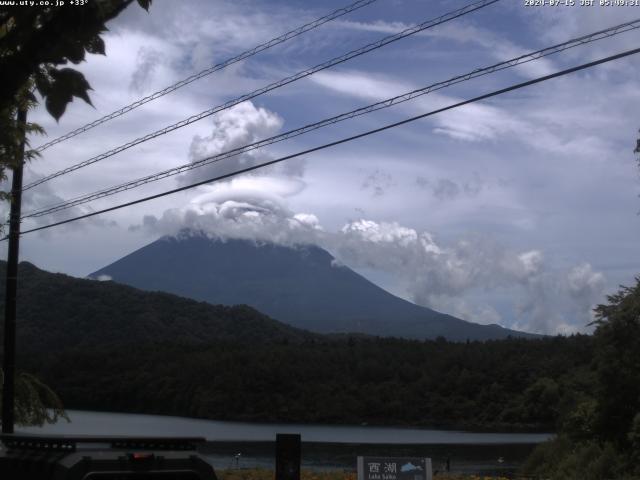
column 264, row 474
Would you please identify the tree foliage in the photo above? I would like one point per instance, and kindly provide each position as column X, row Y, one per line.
column 476, row 385
column 12, row 134
column 618, row 365
column 36, row 45
column 600, row 436
column 58, row 312
column 35, row 402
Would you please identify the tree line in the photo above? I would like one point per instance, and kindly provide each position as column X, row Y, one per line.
column 511, row 384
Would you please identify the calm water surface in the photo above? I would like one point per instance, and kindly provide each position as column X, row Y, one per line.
column 99, row 423
column 324, row 446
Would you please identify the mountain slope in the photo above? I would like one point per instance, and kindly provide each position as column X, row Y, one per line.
column 301, row 286
column 58, row 312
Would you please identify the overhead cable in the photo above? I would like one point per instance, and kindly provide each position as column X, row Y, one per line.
column 208, row 71
column 341, row 141
column 585, row 39
column 302, row 74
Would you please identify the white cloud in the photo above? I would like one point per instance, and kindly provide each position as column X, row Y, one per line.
column 378, row 182
column 43, row 196
column 243, row 213
column 444, row 277
column 368, row 86
column 236, row 127
column 147, row 63
column 537, row 124
column 583, row 281
column 464, row 33
column 448, row 277
column 531, row 262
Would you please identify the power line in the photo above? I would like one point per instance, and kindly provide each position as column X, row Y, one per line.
column 585, row 39
column 343, row 140
column 302, row 74
column 208, row 71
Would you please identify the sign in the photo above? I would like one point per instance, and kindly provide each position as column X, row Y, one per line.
column 394, row 468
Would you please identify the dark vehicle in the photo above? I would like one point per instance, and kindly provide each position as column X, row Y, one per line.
column 35, row 457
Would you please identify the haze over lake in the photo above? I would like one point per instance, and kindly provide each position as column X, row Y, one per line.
column 101, row 423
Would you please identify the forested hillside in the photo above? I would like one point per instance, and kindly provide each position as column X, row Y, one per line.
column 58, row 312
column 506, row 384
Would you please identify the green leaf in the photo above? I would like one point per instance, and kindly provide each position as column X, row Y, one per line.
column 72, row 82
column 96, row 46
column 67, row 83
column 43, row 83
column 145, row 4
column 35, row 128
column 56, row 103
column 75, row 52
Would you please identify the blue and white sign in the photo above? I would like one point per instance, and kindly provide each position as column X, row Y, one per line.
column 394, row 468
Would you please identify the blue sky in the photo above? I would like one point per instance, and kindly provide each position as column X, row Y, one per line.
column 520, row 210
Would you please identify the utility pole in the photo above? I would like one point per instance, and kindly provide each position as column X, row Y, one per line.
column 9, row 360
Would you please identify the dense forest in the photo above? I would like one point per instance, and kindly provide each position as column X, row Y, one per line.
column 506, row 384
column 599, row 436
column 57, row 312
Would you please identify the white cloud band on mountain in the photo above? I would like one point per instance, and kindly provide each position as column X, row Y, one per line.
column 443, row 277
column 240, row 209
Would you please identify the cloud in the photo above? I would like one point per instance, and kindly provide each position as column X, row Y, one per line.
column 212, row 32
column 431, row 268
column 450, row 277
column 460, row 277
column 446, row 189
column 44, row 196
column 465, row 34
column 450, row 189
column 365, row 85
column 586, row 287
column 378, row 182
column 473, row 123
column 539, row 126
column 553, row 26
column 147, row 62
column 481, row 313
column 236, row 127
column 248, row 207
column 455, row 278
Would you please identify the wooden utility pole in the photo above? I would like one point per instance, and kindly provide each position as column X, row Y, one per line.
column 9, row 360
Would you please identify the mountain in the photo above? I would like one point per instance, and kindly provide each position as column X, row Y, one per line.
column 58, row 312
column 302, row 286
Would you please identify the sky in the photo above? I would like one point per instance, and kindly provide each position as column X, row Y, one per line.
column 520, row 210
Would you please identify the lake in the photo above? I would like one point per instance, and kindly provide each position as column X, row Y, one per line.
column 324, row 446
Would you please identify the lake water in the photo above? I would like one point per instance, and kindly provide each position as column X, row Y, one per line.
column 324, row 446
